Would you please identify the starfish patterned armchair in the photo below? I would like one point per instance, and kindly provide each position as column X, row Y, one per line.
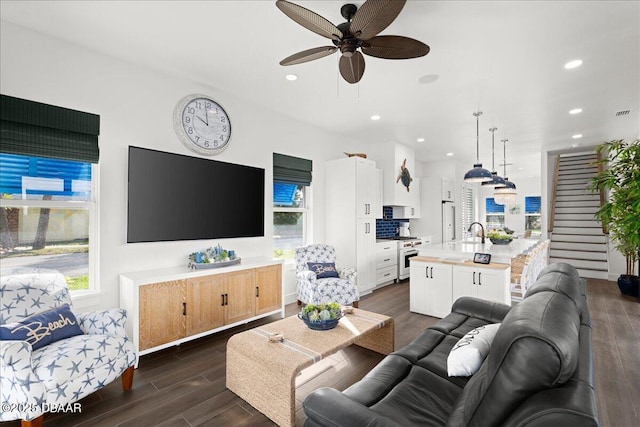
column 37, row 375
column 320, row 281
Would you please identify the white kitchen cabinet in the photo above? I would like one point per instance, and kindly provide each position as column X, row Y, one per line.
column 430, row 288
column 413, row 210
column 448, row 190
column 490, row 283
column 351, row 208
column 386, row 262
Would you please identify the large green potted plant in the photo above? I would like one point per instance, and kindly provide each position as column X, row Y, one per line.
column 619, row 177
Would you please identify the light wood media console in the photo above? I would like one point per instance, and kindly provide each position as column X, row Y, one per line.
column 167, row 307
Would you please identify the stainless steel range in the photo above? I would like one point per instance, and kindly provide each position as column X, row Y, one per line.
column 407, row 249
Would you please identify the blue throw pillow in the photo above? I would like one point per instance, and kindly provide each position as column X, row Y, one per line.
column 323, row 269
column 43, row 328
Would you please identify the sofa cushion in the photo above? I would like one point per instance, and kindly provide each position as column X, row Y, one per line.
column 43, row 328
column 536, row 348
column 323, row 269
column 470, row 351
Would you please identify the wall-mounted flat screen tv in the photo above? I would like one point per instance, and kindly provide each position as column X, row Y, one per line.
column 176, row 197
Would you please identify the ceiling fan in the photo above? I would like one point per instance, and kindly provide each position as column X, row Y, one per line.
column 359, row 32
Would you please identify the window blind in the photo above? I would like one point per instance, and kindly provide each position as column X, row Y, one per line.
column 532, row 204
column 291, row 170
column 492, row 207
column 35, row 129
column 467, row 206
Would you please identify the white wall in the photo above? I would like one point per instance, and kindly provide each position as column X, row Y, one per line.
column 136, row 108
column 524, row 188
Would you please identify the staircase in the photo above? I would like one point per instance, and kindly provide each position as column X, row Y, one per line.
column 576, row 237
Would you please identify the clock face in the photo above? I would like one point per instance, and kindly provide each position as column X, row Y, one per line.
column 202, row 124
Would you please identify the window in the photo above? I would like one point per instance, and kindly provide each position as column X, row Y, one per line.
column 291, row 190
column 48, row 203
column 47, row 210
column 532, row 209
column 467, row 208
column 495, row 214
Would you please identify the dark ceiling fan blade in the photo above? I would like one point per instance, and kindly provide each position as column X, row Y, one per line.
column 308, row 55
column 352, row 68
column 394, row 47
column 310, row 20
column 374, row 16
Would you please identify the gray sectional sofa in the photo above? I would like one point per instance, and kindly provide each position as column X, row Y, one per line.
column 538, row 372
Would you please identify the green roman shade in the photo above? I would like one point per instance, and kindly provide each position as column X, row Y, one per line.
column 34, row 129
column 293, row 170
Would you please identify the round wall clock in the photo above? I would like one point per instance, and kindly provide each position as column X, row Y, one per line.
column 202, row 124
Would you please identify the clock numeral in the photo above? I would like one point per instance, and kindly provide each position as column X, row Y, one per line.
column 206, row 144
column 208, row 105
column 190, row 130
column 198, row 105
column 215, row 143
column 224, row 128
column 197, row 138
column 187, row 119
column 222, row 119
column 191, row 110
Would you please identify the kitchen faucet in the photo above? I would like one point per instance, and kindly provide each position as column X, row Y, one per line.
column 481, row 226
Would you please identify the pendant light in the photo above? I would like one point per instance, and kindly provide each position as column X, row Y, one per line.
column 478, row 173
column 496, row 180
column 507, row 193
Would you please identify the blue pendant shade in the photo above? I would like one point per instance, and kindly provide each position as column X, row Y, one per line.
column 496, row 180
column 478, row 173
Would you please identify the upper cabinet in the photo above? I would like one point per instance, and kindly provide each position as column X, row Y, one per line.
column 411, row 211
column 398, row 163
column 448, row 190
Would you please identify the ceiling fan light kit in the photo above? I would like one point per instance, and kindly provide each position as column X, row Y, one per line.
column 359, row 32
column 478, row 173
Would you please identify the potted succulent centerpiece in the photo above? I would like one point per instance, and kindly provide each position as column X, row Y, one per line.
column 321, row 316
column 499, row 237
column 618, row 180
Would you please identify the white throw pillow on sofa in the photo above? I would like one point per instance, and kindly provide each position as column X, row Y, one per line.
column 468, row 354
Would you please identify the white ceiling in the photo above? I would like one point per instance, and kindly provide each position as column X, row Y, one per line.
column 504, row 58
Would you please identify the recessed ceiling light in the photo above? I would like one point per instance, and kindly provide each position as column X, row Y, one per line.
column 577, row 136
column 449, row 154
column 573, row 64
column 420, row 139
column 291, row 77
column 575, row 111
column 375, row 117
column 429, row 78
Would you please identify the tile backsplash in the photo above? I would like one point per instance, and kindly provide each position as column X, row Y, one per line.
column 388, row 227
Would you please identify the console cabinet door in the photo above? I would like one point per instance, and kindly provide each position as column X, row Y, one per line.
column 493, row 285
column 204, row 303
column 464, row 282
column 419, row 287
column 440, row 289
column 161, row 313
column 268, row 287
column 240, row 296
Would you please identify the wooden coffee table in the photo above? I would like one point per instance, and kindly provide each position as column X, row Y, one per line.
column 263, row 373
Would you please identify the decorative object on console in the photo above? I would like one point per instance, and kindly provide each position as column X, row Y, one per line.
column 468, row 354
column 202, row 125
column 213, row 257
column 496, row 180
column 359, row 32
column 478, row 173
column 506, row 193
column 404, row 176
column 321, row 317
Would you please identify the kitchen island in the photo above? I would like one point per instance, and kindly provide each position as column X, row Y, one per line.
column 443, row 272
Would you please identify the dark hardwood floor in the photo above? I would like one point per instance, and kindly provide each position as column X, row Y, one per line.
column 185, row 385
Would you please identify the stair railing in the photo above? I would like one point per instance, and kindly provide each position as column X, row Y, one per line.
column 603, row 196
column 554, row 194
